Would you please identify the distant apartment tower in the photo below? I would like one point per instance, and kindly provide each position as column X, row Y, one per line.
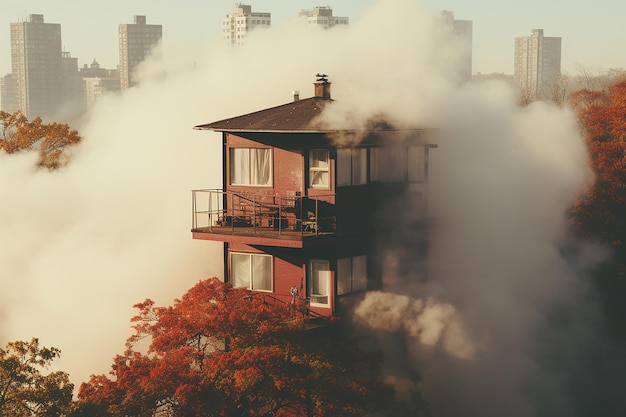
column 236, row 25
column 36, row 64
column 462, row 32
column 136, row 41
column 537, row 65
column 98, row 81
column 8, row 94
column 322, row 16
column 71, row 87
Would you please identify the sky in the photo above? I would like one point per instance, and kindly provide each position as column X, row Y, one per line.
column 592, row 32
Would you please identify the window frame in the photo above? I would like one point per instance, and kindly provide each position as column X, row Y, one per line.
column 316, row 169
column 351, row 275
column 388, row 164
column 329, row 289
column 232, row 166
column 250, row 256
column 359, row 154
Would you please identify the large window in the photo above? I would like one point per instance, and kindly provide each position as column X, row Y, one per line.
column 351, row 274
column 351, row 166
column 319, row 283
column 251, row 270
column 388, row 164
column 251, row 166
column 319, row 172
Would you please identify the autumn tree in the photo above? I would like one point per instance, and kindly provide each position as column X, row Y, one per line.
column 51, row 140
column 223, row 351
column 24, row 390
column 601, row 212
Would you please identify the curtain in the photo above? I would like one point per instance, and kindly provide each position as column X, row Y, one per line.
column 359, row 166
column 388, row 164
column 344, row 161
column 240, row 269
column 261, row 166
column 375, row 164
column 240, row 166
column 261, row 273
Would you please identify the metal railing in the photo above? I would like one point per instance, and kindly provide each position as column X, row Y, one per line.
column 238, row 212
column 299, row 305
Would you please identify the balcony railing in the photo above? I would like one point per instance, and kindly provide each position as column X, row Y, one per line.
column 235, row 212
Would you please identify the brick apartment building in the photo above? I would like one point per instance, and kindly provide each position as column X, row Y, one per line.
column 303, row 214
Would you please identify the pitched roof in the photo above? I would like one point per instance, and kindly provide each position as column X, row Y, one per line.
column 297, row 116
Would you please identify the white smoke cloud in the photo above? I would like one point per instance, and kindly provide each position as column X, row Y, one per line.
column 428, row 322
column 502, row 180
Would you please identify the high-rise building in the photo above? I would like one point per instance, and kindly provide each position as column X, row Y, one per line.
column 36, row 66
column 8, row 94
column 322, row 16
column 136, row 41
column 98, row 81
column 236, row 25
column 71, row 98
column 462, row 32
column 96, row 87
column 537, row 65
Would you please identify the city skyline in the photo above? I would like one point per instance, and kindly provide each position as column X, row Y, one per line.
column 89, row 30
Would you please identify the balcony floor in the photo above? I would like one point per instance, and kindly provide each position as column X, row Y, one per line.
column 267, row 236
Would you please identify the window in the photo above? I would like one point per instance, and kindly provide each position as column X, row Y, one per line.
column 417, row 163
column 319, row 168
column 351, row 274
column 251, row 166
column 252, row 271
column 388, row 164
column 351, row 166
column 319, row 283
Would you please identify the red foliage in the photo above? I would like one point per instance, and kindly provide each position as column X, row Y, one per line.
column 223, row 351
column 601, row 212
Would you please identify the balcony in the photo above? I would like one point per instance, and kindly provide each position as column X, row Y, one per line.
column 261, row 218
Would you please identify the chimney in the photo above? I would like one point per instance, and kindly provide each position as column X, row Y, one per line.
column 322, row 87
column 296, row 95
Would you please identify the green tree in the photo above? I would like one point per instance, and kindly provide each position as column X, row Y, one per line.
column 24, row 390
column 52, row 140
column 223, row 351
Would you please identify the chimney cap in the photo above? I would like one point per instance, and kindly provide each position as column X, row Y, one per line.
column 321, row 77
column 322, row 86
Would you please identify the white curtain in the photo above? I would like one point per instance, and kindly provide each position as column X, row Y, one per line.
column 261, row 166
column 251, row 166
column 240, row 270
column 261, row 273
column 240, row 166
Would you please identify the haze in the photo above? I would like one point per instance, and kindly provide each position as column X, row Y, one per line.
column 592, row 32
